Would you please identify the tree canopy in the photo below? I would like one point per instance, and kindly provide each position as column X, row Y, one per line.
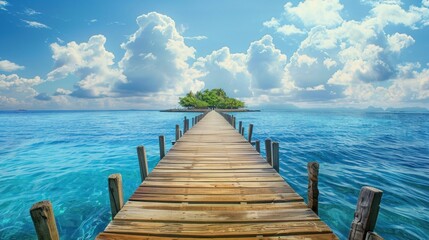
column 216, row 98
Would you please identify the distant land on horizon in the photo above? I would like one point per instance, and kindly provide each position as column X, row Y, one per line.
column 285, row 108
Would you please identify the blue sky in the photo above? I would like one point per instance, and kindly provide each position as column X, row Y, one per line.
column 145, row 54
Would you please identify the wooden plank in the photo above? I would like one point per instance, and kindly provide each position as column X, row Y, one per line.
column 212, row 175
column 216, row 229
column 216, row 207
column 268, row 198
column 216, row 179
column 266, row 170
column 214, row 184
column 285, row 215
column 211, row 191
column 114, row 236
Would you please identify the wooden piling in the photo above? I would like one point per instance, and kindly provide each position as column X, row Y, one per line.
column 276, row 156
column 268, row 149
column 141, row 153
column 115, row 193
column 233, row 122
column 242, row 131
column 258, row 146
column 177, row 132
column 250, row 133
column 180, row 133
column 44, row 221
column 184, row 125
column 366, row 213
column 240, row 124
column 187, row 125
column 313, row 190
column 161, row 147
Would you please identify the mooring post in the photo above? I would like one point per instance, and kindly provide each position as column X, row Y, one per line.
column 180, row 133
column 268, row 149
column 233, row 122
column 240, row 124
column 161, row 147
column 276, row 156
column 313, row 190
column 242, row 131
column 141, row 153
column 258, row 146
column 187, row 125
column 184, row 125
column 177, row 132
column 366, row 213
column 115, row 193
column 250, row 132
column 43, row 218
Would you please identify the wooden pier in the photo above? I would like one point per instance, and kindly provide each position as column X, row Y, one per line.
column 214, row 184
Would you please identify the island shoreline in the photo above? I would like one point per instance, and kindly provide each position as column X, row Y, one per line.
column 204, row 110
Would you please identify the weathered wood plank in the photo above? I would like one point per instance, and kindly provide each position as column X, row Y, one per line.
column 218, row 229
column 211, row 191
column 115, row 236
column 268, row 198
column 284, row 215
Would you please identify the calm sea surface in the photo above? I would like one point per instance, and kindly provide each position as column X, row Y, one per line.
column 66, row 157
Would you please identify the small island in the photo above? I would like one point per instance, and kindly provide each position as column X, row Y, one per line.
column 209, row 99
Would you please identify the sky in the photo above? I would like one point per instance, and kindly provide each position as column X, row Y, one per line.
column 144, row 54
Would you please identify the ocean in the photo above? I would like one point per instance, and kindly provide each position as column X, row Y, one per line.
column 66, row 157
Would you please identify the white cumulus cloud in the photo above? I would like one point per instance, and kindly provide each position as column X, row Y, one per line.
column 273, row 23
column 90, row 62
column 399, row 41
column 266, row 64
column 226, row 70
column 8, row 66
column 156, row 58
column 16, row 90
column 316, row 12
column 289, row 30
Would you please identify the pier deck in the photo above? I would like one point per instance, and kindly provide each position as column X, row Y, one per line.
column 213, row 184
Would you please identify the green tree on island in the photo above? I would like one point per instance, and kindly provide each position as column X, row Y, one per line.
column 216, row 98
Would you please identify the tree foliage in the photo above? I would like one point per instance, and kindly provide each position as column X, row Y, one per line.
column 216, row 98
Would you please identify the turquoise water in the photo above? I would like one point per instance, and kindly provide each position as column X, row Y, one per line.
column 67, row 156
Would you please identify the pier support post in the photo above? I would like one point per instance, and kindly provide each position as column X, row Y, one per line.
column 268, row 149
column 161, row 147
column 141, row 153
column 366, row 213
column 250, row 132
column 233, row 122
column 184, row 125
column 44, row 221
column 240, row 124
column 276, row 156
column 187, row 125
column 242, row 131
column 115, row 193
column 180, row 133
column 313, row 190
column 177, row 132
column 258, row 146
